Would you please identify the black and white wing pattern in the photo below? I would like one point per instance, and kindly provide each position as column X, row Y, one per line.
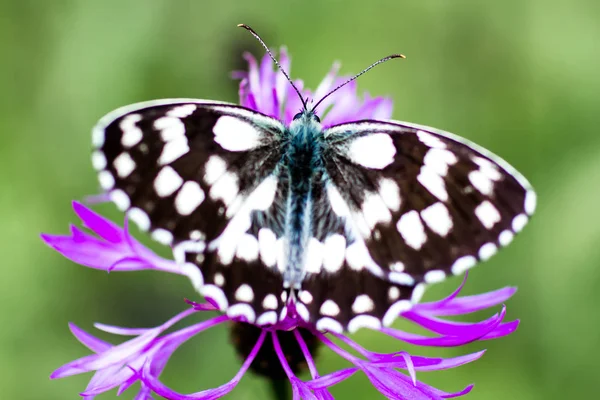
column 417, row 205
column 201, row 177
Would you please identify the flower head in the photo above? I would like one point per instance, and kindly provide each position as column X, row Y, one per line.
column 279, row 351
column 265, row 90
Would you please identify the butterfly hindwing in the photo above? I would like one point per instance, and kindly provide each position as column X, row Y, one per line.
column 426, row 203
column 243, row 267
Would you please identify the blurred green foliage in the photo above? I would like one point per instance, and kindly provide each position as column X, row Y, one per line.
column 517, row 76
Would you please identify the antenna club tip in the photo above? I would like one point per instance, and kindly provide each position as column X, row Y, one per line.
column 243, row 26
column 401, row 56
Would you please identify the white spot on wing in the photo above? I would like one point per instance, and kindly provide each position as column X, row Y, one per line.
column 219, row 279
column 124, row 165
column 338, row 204
column 519, row 222
column 530, row 202
column 438, row 160
column 393, row 293
column 193, row 273
column 437, row 218
column 505, row 237
column 216, row 295
column 488, row 214
column 417, row 293
column 107, row 181
column 372, row 151
column 267, row 246
column 189, row 198
column 247, row 248
column 434, row 276
column 167, row 182
column 131, row 133
column 358, row 257
column 314, row 256
column 433, row 182
column 374, row 210
column 395, row 310
column 244, row 293
column 162, row 236
column 329, row 308
column 488, row 168
column 335, row 251
column 140, row 218
column 363, row 321
column 329, row 325
column 302, row 312
column 481, row 182
column 189, row 246
column 226, row 188
column 487, row 250
column 234, row 134
column 170, row 128
column 270, row 302
column 98, row 137
column 410, row 227
column 267, row 318
column 242, row 311
column 173, row 150
column 262, row 197
column 462, row 264
column 214, row 168
column 401, row 278
column 305, row 296
column 429, row 140
column 182, row 111
column 397, row 266
column 197, row 235
column 280, row 249
column 390, row 193
column 120, row 198
column 98, row 160
column 362, row 304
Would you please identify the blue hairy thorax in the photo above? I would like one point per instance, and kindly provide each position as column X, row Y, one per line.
column 303, row 165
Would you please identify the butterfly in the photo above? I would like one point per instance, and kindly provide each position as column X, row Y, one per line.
column 348, row 222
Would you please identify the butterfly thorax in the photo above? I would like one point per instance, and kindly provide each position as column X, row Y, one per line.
column 303, row 165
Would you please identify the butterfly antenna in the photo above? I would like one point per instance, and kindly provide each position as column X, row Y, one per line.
column 356, row 76
column 246, row 27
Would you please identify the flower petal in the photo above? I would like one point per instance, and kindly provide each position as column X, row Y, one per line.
column 469, row 304
column 104, row 228
column 462, row 337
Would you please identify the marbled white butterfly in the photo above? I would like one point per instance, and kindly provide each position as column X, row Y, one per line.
column 348, row 222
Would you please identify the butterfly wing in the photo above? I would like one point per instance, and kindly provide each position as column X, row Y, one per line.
column 412, row 205
column 202, row 178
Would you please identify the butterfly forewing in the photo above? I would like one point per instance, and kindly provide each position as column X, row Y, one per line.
column 426, row 203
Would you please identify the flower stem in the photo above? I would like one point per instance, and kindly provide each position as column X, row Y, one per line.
column 280, row 389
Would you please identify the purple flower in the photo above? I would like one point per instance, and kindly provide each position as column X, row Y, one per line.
column 265, row 90
column 291, row 342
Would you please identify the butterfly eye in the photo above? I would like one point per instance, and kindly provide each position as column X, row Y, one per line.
column 297, row 116
column 318, row 119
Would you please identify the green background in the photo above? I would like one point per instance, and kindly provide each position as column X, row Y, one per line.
column 519, row 77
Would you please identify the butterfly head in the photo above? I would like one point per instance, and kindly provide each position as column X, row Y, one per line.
column 306, row 118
